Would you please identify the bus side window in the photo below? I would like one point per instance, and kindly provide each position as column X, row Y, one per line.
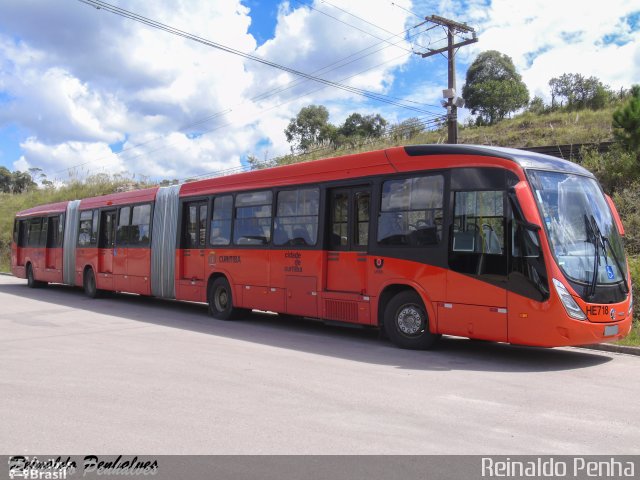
column 35, row 228
column 194, row 226
column 43, row 232
column 16, row 230
column 221, row 220
column 253, row 218
column 140, row 221
column 88, row 231
column 23, row 236
column 411, row 211
column 124, row 220
column 296, row 222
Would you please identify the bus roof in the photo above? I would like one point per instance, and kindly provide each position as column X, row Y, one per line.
column 378, row 162
column 120, row 198
column 42, row 210
column 523, row 158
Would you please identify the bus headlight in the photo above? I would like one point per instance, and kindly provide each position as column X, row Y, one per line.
column 570, row 305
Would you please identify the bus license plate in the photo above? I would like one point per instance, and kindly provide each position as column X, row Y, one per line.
column 610, row 330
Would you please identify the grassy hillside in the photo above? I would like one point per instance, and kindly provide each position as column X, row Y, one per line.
column 525, row 130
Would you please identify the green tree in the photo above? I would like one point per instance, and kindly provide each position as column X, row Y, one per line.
column 626, row 122
column 21, row 182
column 5, row 180
column 310, row 127
column 493, row 88
column 408, row 128
column 576, row 92
column 357, row 125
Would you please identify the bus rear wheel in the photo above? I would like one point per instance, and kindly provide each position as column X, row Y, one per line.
column 220, row 300
column 406, row 322
column 31, row 278
column 89, row 284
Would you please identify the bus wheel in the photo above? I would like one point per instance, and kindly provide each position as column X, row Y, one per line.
column 89, row 284
column 406, row 322
column 221, row 300
column 31, row 279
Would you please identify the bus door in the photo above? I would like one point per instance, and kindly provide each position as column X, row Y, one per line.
column 349, row 212
column 476, row 295
column 53, row 255
column 107, row 241
column 194, row 238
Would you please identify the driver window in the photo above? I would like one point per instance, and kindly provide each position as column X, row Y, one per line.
column 478, row 224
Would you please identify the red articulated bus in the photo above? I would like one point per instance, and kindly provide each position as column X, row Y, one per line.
column 480, row 242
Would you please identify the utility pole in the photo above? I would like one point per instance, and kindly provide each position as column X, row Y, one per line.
column 453, row 102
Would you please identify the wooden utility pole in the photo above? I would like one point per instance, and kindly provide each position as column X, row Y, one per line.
column 453, row 27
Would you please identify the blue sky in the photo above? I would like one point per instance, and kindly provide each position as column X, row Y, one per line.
column 83, row 91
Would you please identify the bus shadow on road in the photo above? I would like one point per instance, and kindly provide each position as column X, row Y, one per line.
column 309, row 336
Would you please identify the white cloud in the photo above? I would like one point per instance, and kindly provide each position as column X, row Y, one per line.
column 548, row 38
column 79, row 79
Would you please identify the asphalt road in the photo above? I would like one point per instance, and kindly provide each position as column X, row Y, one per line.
column 126, row 374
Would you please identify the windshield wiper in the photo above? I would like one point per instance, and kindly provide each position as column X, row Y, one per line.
column 596, row 260
column 605, row 241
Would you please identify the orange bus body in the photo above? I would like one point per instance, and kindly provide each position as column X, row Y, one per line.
column 491, row 295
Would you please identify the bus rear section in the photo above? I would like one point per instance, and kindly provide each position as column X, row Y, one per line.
column 37, row 244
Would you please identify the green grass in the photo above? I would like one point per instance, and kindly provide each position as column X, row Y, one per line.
column 633, row 339
column 525, row 130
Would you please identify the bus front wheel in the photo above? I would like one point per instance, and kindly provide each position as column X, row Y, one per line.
column 220, row 300
column 406, row 322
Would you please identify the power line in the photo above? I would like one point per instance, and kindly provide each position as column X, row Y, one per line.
column 269, row 162
column 406, row 10
column 270, row 93
column 181, row 33
column 347, row 23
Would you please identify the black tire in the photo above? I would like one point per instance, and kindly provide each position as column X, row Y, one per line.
column 89, row 284
column 31, row 279
column 406, row 322
column 220, row 300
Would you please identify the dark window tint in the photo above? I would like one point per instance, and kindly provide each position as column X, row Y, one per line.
column 296, row 220
column 16, row 231
column 108, row 229
column 124, row 219
column 411, row 211
column 86, row 233
column 35, row 230
column 24, row 233
column 54, row 232
column 43, row 232
column 253, row 218
column 140, row 224
column 362, row 218
column 194, row 229
column 340, row 219
column 221, row 220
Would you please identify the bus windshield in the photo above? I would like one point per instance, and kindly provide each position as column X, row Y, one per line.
column 580, row 227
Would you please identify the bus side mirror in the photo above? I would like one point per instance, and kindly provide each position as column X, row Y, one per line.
column 527, row 204
column 616, row 215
